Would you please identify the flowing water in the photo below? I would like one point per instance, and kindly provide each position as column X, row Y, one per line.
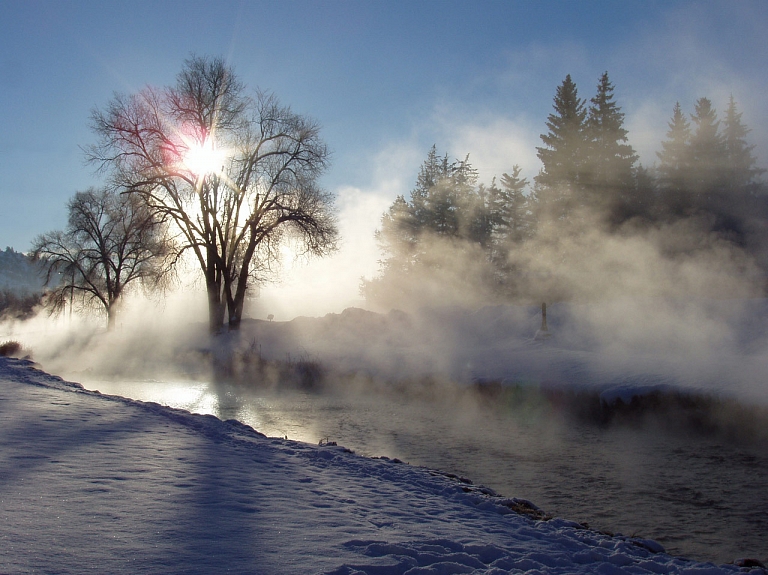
column 701, row 496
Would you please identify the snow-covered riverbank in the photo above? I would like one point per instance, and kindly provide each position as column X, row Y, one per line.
column 93, row 483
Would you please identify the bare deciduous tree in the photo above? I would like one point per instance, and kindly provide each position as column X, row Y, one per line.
column 111, row 240
column 236, row 173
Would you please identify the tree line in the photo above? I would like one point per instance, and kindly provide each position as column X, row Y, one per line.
column 454, row 229
column 208, row 171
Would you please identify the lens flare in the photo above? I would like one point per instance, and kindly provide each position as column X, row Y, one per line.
column 206, row 158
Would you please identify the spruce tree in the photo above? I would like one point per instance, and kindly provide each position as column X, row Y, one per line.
column 707, row 151
column 433, row 170
column 675, row 165
column 398, row 235
column 510, row 207
column 732, row 199
column 511, row 225
column 644, row 202
column 446, row 202
column 446, row 218
column 562, row 156
column 742, row 177
column 609, row 164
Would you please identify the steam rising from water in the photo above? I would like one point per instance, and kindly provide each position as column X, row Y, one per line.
column 709, row 344
column 636, row 314
column 690, row 323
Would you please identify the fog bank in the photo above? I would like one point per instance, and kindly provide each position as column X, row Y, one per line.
column 711, row 345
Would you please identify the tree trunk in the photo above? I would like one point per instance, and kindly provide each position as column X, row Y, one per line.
column 112, row 307
column 111, row 318
column 235, row 303
column 215, row 308
column 213, row 285
column 236, row 311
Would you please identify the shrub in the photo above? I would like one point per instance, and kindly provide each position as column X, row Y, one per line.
column 9, row 348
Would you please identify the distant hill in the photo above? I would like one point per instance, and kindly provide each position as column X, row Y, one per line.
column 18, row 275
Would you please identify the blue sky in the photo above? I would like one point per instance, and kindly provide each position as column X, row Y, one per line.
column 386, row 80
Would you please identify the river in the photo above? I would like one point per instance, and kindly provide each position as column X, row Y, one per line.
column 699, row 495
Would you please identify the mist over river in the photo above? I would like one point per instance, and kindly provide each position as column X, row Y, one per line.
column 701, row 495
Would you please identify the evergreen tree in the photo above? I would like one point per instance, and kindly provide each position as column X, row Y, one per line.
column 644, row 201
column 433, row 171
column 608, row 173
column 742, row 177
column 732, row 199
column 707, row 151
column 510, row 207
column 512, row 224
column 470, row 201
column 479, row 215
column 562, row 156
column 443, row 196
column 398, row 236
column 445, row 232
column 711, row 172
column 445, row 203
column 675, row 164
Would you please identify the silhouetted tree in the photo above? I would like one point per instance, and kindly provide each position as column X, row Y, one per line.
column 675, row 165
column 442, row 199
column 398, row 237
column 644, row 202
column 558, row 185
column 237, row 174
column 111, row 241
column 707, row 151
column 512, row 221
column 741, row 174
column 433, row 170
column 447, row 214
column 445, row 203
column 708, row 171
column 733, row 201
column 608, row 172
column 510, row 208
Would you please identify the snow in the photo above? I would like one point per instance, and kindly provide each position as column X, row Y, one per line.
column 100, row 484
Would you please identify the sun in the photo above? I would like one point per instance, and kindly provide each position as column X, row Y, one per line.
column 206, row 158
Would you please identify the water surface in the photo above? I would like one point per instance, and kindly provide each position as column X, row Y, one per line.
column 701, row 496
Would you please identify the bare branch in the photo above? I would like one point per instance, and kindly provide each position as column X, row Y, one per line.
column 233, row 219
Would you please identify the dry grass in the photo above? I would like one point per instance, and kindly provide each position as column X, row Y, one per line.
column 10, row 349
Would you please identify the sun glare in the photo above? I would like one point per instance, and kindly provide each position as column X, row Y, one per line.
column 205, row 159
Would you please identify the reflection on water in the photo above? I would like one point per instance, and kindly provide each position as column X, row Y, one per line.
column 698, row 496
